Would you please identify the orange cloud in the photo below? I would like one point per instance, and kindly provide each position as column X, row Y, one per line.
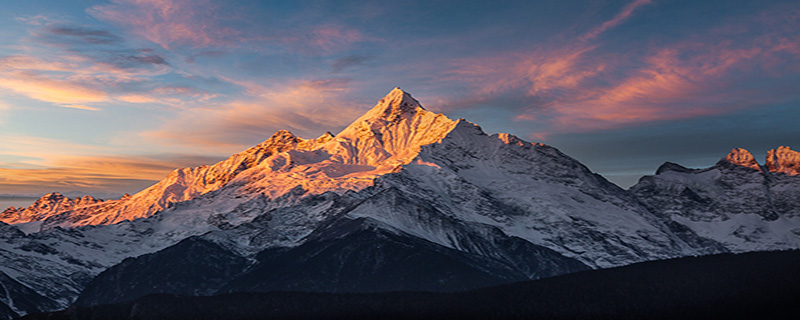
column 307, row 108
column 79, row 106
column 64, row 166
column 43, row 88
column 73, row 81
column 93, row 174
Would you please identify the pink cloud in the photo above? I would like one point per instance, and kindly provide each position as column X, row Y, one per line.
column 202, row 23
column 169, row 22
column 623, row 15
column 581, row 87
column 330, row 37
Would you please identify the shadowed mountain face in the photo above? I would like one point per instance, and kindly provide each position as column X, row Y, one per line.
column 751, row 285
column 16, row 299
column 402, row 199
column 345, row 256
column 191, row 267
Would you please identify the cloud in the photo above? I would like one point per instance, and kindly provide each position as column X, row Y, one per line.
column 44, row 88
column 37, row 20
column 170, row 22
column 83, row 34
column 101, row 50
column 202, row 24
column 78, row 106
column 305, row 107
column 623, row 15
column 580, row 87
column 331, row 36
column 79, row 67
column 95, row 174
column 40, row 165
column 348, row 61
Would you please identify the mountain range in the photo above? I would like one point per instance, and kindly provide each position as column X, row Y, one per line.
column 402, row 199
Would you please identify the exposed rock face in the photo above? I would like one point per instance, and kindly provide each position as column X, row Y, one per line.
column 783, row 160
column 741, row 158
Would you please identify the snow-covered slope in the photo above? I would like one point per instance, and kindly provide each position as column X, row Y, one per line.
column 387, row 136
column 736, row 202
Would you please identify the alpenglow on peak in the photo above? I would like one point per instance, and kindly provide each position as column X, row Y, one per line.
column 394, row 106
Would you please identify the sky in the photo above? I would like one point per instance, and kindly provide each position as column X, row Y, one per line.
column 108, row 97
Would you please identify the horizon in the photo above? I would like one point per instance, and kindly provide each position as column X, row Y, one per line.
column 108, row 97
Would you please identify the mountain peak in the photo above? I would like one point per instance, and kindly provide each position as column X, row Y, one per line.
column 740, row 157
column 396, row 105
column 784, row 160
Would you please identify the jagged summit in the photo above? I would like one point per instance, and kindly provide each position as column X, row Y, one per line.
column 391, row 133
column 783, row 160
column 395, row 105
column 740, row 157
column 47, row 205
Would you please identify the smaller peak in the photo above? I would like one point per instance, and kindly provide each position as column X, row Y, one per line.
column 52, row 196
column 783, row 160
column 327, row 136
column 280, row 137
column 508, row 138
column 671, row 166
column 283, row 134
column 740, row 157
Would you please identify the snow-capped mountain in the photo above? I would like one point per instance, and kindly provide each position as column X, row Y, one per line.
column 409, row 180
column 737, row 202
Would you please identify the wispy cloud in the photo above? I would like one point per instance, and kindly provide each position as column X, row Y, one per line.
column 348, row 61
column 44, row 88
column 94, row 174
column 584, row 87
column 65, row 166
column 83, row 34
column 305, row 107
column 78, row 106
column 204, row 24
column 623, row 15
column 169, row 22
column 80, row 67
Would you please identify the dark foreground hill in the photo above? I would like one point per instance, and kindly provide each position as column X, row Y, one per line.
column 758, row 285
